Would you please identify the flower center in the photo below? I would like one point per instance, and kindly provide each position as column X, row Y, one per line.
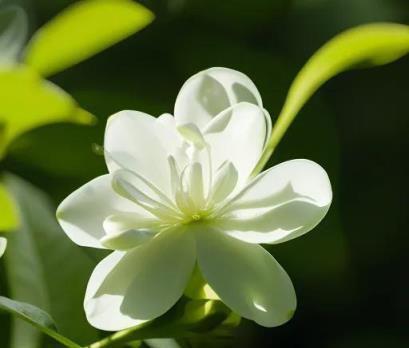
column 197, row 192
column 196, row 217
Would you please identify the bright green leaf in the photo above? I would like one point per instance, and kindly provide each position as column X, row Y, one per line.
column 8, row 217
column 36, row 317
column 37, row 267
column 366, row 45
column 82, row 30
column 28, row 101
column 13, row 33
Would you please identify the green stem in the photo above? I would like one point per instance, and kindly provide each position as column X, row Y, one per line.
column 127, row 335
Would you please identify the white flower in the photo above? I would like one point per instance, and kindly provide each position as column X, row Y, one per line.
column 179, row 192
column 3, row 245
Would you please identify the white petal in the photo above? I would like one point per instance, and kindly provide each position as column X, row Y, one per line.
column 128, row 288
column 237, row 135
column 280, row 204
column 224, row 182
column 246, row 277
column 191, row 133
column 118, row 223
column 193, row 185
column 141, row 143
column 82, row 213
column 128, row 230
column 209, row 92
column 127, row 240
column 3, row 245
column 130, row 186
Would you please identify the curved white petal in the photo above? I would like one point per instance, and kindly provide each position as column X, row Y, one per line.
column 225, row 181
column 237, row 135
column 280, row 204
column 128, row 288
column 127, row 240
column 246, row 277
column 3, row 245
column 142, row 143
column 82, row 213
column 125, row 231
column 209, row 92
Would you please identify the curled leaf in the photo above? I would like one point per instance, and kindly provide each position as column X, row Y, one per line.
column 28, row 101
column 366, row 45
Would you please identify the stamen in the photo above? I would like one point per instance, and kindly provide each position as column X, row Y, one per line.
column 174, row 174
column 209, row 158
column 196, row 217
column 151, row 186
column 129, row 191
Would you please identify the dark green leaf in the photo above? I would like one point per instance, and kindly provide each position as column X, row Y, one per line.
column 44, row 267
column 36, row 317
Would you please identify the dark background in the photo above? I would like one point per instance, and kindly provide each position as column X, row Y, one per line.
column 351, row 272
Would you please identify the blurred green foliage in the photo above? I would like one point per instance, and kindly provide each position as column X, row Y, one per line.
column 366, row 45
column 350, row 272
column 27, row 100
column 87, row 28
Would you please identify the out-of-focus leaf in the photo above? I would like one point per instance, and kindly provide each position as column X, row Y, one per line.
column 366, row 45
column 13, row 33
column 38, row 318
column 82, row 30
column 44, row 267
column 27, row 101
column 8, row 212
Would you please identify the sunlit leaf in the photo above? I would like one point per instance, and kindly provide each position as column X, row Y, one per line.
column 82, row 30
column 38, row 318
column 8, row 216
column 13, row 33
column 37, row 267
column 366, row 45
column 28, row 101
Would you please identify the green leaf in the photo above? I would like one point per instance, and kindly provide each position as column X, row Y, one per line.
column 28, row 101
column 366, row 45
column 13, row 33
column 45, row 268
column 8, row 217
column 36, row 317
column 82, row 30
